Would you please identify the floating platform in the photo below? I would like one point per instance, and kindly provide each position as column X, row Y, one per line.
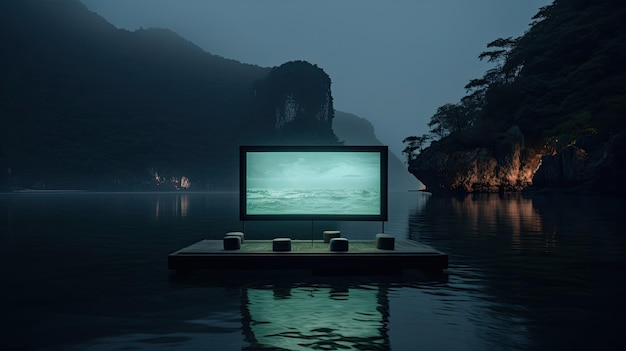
column 362, row 257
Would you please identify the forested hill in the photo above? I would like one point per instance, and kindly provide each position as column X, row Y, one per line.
column 556, row 97
column 86, row 105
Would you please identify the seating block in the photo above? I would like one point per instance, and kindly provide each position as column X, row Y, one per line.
column 232, row 242
column 329, row 234
column 281, row 244
column 339, row 244
column 385, row 241
column 239, row 234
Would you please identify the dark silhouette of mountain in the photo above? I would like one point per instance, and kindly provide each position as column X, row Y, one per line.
column 294, row 104
column 86, row 105
column 355, row 130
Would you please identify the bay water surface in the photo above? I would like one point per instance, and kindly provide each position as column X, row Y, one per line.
column 88, row 271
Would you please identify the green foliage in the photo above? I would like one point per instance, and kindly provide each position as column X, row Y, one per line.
column 562, row 76
column 414, row 143
column 453, row 118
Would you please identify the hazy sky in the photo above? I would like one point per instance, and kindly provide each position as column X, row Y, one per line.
column 392, row 62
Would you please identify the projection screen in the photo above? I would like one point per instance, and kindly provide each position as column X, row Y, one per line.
column 313, row 182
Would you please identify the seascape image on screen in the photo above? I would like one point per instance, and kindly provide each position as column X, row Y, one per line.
column 313, row 183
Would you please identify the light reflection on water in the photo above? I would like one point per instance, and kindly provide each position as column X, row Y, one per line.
column 88, row 272
column 316, row 317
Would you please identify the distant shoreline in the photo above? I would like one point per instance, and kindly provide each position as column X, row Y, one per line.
column 47, row 191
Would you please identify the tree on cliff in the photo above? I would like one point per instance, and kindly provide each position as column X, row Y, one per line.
column 451, row 118
column 558, row 84
column 414, row 143
column 557, row 80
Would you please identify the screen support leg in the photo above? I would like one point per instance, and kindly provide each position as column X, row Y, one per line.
column 383, row 226
column 311, row 232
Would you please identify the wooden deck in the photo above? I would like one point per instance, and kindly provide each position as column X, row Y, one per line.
column 362, row 257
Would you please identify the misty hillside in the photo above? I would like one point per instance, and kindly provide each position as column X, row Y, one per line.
column 84, row 103
column 88, row 106
column 355, row 130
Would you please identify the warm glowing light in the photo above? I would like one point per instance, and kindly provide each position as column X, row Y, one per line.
column 185, row 183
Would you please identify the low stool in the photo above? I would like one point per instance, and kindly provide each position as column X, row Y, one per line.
column 339, row 244
column 385, row 241
column 281, row 244
column 238, row 234
column 232, row 242
column 329, row 234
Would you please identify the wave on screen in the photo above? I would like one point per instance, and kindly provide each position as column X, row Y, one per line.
column 313, row 201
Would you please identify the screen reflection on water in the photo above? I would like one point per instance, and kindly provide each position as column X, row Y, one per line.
column 316, row 317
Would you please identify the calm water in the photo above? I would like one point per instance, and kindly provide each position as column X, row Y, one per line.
column 83, row 271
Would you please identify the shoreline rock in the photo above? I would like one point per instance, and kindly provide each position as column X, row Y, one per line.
column 449, row 167
column 595, row 164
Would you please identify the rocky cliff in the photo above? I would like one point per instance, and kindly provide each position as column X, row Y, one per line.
column 549, row 115
column 594, row 164
column 294, row 104
column 451, row 167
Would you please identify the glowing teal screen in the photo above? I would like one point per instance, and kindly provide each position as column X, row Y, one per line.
column 313, row 183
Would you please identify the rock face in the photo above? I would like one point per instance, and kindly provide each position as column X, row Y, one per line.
column 447, row 167
column 294, row 104
column 596, row 163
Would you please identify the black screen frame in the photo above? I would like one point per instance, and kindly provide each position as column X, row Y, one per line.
column 384, row 183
